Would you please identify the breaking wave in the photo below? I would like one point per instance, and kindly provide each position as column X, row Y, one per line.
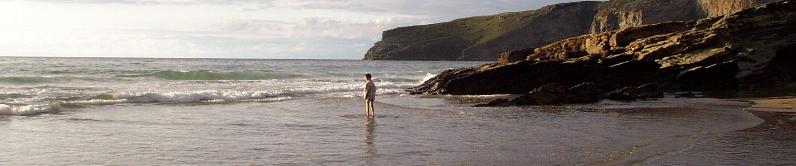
column 209, row 98
column 214, row 75
column 204, row 97
column 268, row 87
column 428, row 77
column 42, row 79
column 26, row 109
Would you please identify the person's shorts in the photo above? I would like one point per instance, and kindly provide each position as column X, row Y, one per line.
column 373, row 99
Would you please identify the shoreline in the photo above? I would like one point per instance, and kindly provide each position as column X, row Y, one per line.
column 777, row 109
column 408, row 130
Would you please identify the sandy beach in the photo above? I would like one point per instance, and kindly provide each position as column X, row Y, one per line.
column 774, row 110
column 779, row 104
column 407, row 131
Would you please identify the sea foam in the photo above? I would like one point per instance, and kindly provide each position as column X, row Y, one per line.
column 186, row 97
column 216, row 75
column 27, row 110
column 428, row 77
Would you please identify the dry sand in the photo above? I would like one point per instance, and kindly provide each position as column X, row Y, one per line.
column 774, row 109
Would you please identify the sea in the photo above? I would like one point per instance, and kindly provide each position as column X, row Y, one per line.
column 139, row 111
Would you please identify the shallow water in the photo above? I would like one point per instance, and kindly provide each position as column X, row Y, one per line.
column 333, row 131
column 326, row 128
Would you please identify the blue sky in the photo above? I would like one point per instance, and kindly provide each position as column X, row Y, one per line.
column 266, row 29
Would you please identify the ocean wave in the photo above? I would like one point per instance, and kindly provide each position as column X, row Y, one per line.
column 42, row 79
column 36, row 109
column 27, row 110
column 215, row 75
column 204, row 97
column 29, row 102
column 428, row 77
column 200, row 96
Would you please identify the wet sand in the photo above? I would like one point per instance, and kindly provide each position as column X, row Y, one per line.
column 408, row 130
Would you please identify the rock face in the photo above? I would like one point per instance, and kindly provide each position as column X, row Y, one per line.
column 713, row 8
column 620, row 14
column 485, row 37
column 752, row 48
column 513, row 56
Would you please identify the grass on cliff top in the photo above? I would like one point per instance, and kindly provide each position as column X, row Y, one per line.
column 617, row 4
column 485, row 28
column 477, row 29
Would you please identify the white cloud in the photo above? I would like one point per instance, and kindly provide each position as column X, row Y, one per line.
column 220, row 28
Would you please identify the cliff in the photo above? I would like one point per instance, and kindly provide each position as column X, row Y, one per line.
column 750, row 49
column 479, row 38
column 620, row 14
column 484, row 37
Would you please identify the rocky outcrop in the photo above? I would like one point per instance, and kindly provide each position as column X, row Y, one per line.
column 514, row 56
column 582, row 93
column 752, row 48
column 485, row 37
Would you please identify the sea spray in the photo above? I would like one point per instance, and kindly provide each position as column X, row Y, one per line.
column 428, row 77
column 216, row 75
column 27, row 110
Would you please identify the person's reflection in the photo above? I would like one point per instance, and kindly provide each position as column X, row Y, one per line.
column 369, row 129
column 370, row 153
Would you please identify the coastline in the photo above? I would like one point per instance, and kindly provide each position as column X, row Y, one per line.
column 778, row 104
column 437, row 130
column 774, row 110
column 726, row 53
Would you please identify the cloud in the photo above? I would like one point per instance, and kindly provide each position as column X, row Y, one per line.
column 220, row 28
column 150, row 2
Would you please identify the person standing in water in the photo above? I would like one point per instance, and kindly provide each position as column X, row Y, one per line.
column 370, row 96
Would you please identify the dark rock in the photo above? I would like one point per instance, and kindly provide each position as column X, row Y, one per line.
column 686, row 94
column 650, row 90
column 623, row 94
column 632, row 93
column 586, row 92
column 713, row 77
column 748, row 49
column 554, row 93
column 513, row 56
column 496, row 103
column 546, row 94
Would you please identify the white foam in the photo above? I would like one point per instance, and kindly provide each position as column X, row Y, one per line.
column 95, row 102
column 26, row 110
column 428, row 77
column 201, row 92
column 199, row 96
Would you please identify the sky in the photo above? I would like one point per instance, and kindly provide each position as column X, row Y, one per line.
column 260, row 29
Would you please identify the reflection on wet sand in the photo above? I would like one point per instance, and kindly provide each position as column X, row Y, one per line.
column 370, row 129
column 772, row 121
column 370, row 124
column 772, row 126
column 778, row 113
